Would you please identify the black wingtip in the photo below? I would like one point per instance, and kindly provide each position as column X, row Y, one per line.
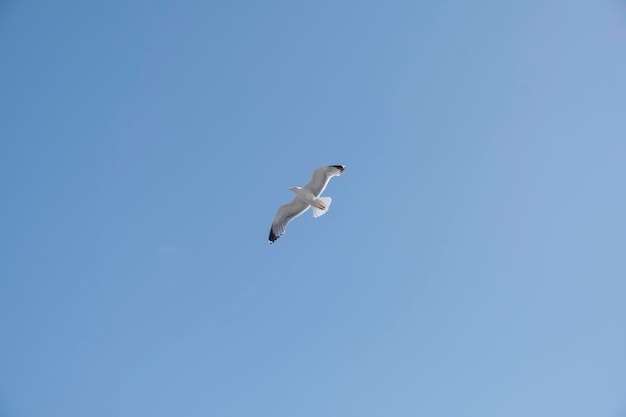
column 272, row 237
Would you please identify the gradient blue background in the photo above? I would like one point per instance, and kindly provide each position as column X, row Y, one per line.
column 473, row 262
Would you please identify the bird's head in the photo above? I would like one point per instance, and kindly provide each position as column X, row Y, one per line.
column 293, row 189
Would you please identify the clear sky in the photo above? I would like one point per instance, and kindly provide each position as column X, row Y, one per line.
column 473, row 262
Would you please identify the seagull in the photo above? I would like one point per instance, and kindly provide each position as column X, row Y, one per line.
column 307, row 196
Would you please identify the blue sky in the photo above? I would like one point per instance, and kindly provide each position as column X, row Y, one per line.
column 472, row 262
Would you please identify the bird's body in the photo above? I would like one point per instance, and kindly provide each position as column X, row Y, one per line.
column 306, row 197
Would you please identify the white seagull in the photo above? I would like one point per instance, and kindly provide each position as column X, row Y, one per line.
column 306, row 197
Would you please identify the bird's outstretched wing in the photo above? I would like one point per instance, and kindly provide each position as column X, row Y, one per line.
column 284, row 215
column 321, row 176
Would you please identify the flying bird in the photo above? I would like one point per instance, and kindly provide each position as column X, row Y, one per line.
column 306, row 197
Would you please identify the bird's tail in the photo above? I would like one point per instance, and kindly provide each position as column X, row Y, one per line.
column 321, row 206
